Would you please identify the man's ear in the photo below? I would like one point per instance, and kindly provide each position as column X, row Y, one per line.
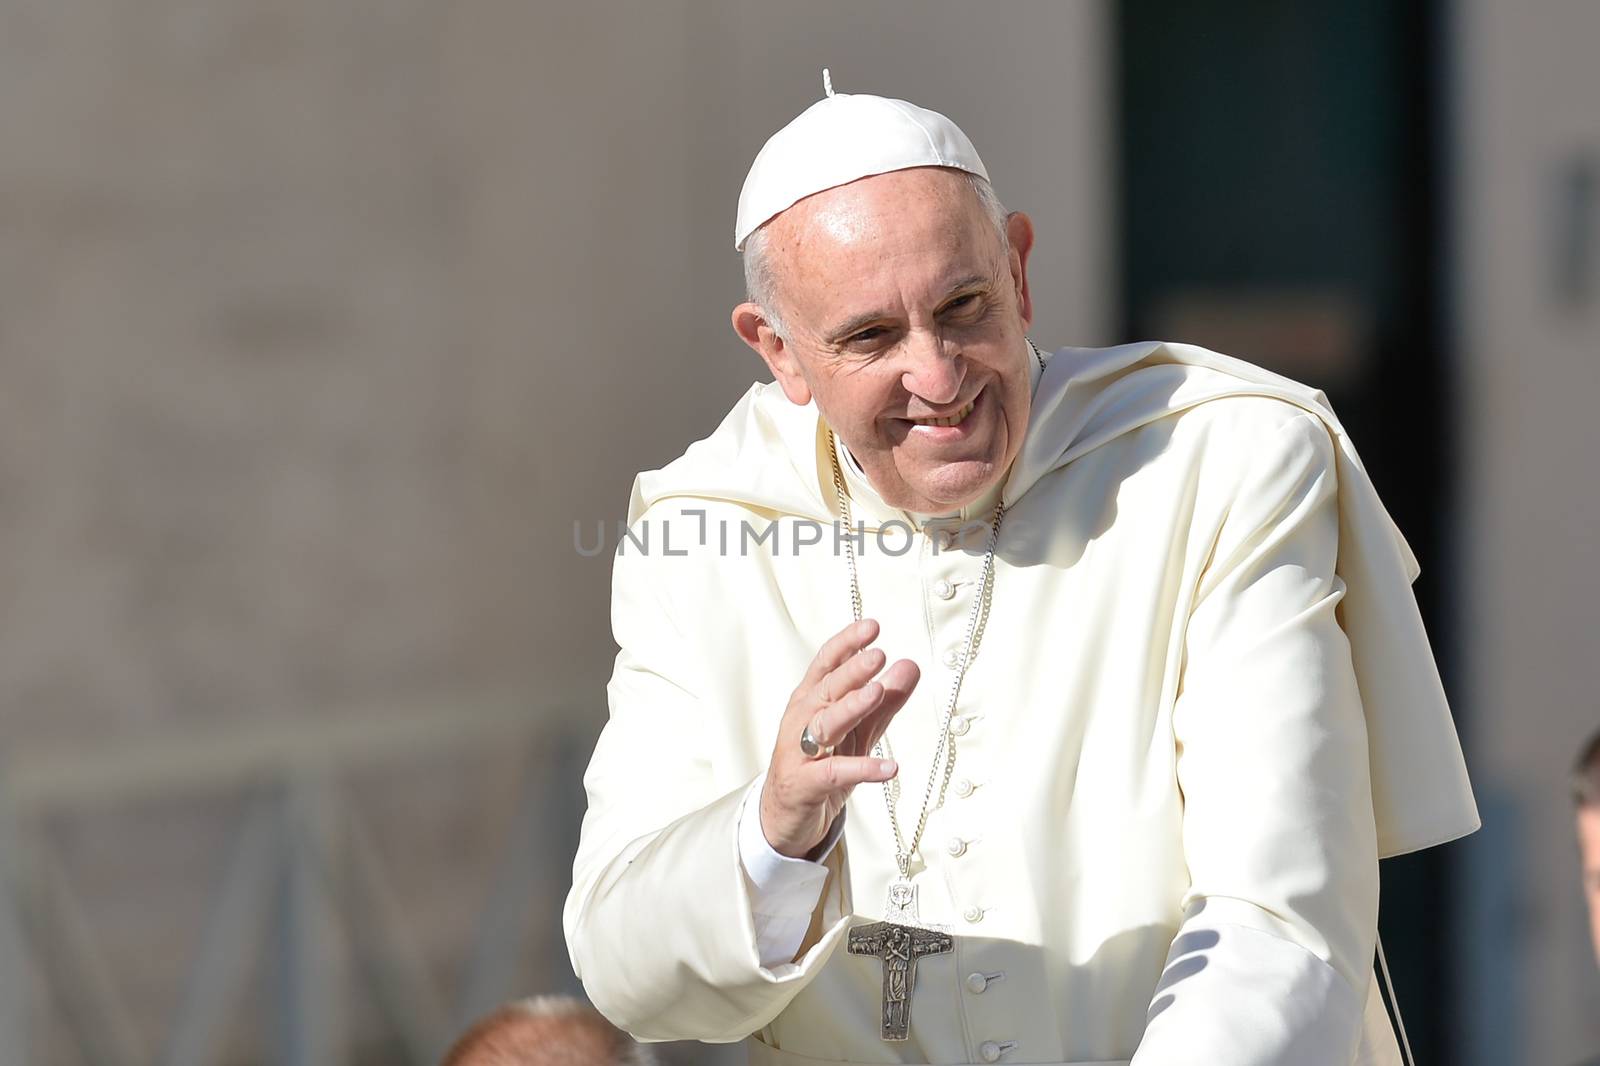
column 1019, row 232
column 751, row 324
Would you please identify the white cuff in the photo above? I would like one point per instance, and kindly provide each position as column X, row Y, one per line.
column 1234, row 992
column 783, row 891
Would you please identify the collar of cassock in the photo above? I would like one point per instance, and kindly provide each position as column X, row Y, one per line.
column 869, row 507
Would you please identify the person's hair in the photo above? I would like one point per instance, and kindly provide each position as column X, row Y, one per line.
column 547, row 1031
column 1586, row 774
column 760, row 282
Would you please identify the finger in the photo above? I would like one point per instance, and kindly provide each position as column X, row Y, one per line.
column 898, row 682
column 861, row 719
column 839, row 647
column 833, row 723
column 849, row 676
column 842, row 772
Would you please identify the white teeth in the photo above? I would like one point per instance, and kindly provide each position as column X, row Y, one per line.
column 953, row 420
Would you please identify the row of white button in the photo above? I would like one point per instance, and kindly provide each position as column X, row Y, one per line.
column 989, row 1050
column 977, row 983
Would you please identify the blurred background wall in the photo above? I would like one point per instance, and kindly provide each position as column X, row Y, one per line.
column 1525, row 269
column 323, row 324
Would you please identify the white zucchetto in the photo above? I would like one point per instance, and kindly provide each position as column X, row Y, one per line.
column 842, row 137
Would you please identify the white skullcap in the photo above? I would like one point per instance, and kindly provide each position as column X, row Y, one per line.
column 843, row 137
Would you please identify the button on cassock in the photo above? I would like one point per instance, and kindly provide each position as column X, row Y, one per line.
column 977, row 982
column 973, row 913
column 959, row 725
column 963, row 787
column 955, row 846
column 951, row 657
column 943, row 589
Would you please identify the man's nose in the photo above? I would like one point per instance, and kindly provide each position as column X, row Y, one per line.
column 935, row 371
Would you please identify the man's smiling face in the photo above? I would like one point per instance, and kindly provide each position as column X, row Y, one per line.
column 906, row 316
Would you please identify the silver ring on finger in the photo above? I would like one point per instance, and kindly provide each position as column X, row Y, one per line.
column 810, row 746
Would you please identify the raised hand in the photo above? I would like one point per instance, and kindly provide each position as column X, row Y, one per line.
column 848, row 706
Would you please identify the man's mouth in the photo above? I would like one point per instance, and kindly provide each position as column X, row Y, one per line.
column 952, row 420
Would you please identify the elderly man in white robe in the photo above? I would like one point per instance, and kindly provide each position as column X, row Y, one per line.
column 976, row 704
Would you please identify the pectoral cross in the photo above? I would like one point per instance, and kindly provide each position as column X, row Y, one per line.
column 899, row 947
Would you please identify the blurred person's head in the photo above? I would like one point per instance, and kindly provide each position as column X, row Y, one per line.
column 1586, row 794
column 546, row 1031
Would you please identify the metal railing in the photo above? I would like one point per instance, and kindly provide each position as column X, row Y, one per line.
column 302, row 867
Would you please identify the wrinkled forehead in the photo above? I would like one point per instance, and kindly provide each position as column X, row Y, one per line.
column 903, row 202
column 907, row 230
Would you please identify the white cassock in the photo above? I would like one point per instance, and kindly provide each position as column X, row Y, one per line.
column 1202, row 707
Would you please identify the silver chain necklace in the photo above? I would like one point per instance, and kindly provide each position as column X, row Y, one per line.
column 902, row 897
column 902, row 938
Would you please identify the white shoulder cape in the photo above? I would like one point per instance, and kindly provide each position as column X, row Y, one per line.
column 1088, row 396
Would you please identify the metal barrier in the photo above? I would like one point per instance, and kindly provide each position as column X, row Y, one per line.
column 298, row 848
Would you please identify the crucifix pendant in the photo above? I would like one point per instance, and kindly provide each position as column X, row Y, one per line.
column 899, row 946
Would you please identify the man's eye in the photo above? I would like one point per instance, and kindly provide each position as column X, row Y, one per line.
column 866, row 335
column 962, row 303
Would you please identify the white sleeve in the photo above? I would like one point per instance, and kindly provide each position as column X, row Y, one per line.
column 1271, row 964
column 659, row 844
column 783, row 891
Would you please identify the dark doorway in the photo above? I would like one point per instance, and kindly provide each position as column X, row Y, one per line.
column 1281, row 203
